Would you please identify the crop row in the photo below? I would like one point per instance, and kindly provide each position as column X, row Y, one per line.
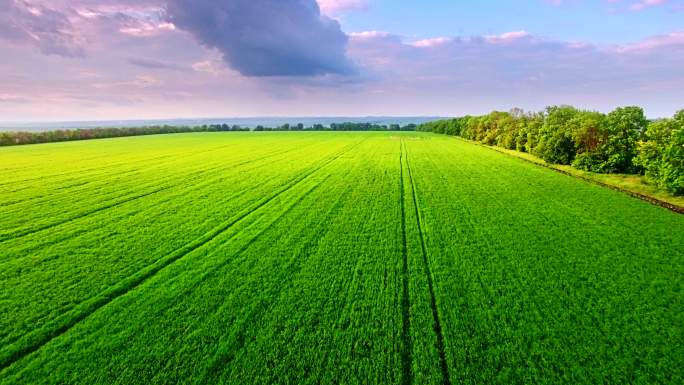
column 306, row 285
column 80, row 261
column 539, row 278
column 402, row 258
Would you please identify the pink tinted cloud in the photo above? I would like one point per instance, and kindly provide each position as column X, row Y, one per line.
column 334, row 7
column 644, row 4
column 507, row 37
column 441, row 75
column 138, row 74
column 518, row 68
column 48, row 29
column 674, row 41
column 432, row 42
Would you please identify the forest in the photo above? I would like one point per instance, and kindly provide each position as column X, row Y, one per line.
column 623, row 141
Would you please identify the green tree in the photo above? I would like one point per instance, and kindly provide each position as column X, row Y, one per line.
column 672, row 166
column 589, row 135
column 556, row 144
column 624, row 128
column 661, row 153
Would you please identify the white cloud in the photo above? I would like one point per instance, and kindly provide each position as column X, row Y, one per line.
column 644, row 4
column 368, row 35
column 334, row 7
column 507, row 37
column 674, row 40
column 518, row 68
column 432, row 42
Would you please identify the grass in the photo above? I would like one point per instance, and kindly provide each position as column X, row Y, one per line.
column 400, row 258
column 633, row 183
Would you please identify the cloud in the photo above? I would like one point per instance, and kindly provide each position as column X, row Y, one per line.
column 268, row 37
column 10, row 98
column 507, row 37
column 644, row 4
column 208, row 66
column 672, row 41
column 140, row 21
column 333, row 7
column 264, row 57
column 369, row 35
column 139, row 82
column 142, row 28
column 432, row 42
column 615, row 6
column 156, row 64
column 518, row 68
column 48, row 29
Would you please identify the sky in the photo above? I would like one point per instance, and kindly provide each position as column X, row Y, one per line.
column 148, row 59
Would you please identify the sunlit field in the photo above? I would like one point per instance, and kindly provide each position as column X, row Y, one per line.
column 323, row 257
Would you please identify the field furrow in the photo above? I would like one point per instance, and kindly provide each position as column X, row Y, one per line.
column 325, row 258
column 34, row 340
column 117, row 189
column 523, row 280
column 426, row 262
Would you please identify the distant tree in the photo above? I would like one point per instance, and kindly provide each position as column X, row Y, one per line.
column 672, row 167
column 556, row 144
column 661, row 153
column 622, row 141
column 589, row 135
column 624, row 127
column 651, row 149
column 509, row 124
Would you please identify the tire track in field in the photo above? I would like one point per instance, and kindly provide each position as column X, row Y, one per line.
column 169, row 198
column 142, row 166
column 293, row 266
column 406, row 354
column 236, row 194
column 165, row 166
column 108, row 167
column 34, row 341
column 78, row 171
column 19, row 234
column 433, row 301
column 237, row 341
column 22, row 233
column 183, row 189
column 214, row 270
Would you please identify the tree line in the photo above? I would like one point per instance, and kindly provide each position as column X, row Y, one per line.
column 622, row 141
column 22, row 137
column 346, row 126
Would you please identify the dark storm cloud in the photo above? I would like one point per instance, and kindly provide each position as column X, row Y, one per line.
column 48, row 29
column 266, row 37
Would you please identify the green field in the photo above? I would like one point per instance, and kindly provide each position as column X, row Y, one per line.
column 350, row 258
